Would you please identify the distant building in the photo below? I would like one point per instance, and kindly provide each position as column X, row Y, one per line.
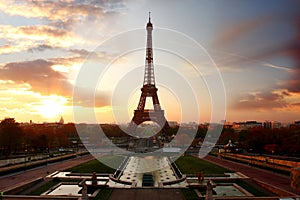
column 276, row 124
column 61, row 121
column 239, row 126
column 272, row 124
column 267, row 124
column 191, row 125
column 295, row 125
column 228, row 126
column 252, row 124
column 246, row 125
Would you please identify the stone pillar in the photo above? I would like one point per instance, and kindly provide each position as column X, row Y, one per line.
column 94, row 179
column 209, row 190
column 295, row 178
column 200, row 177
column 84, row 191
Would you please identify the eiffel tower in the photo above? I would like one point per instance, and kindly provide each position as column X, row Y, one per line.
column 149, row 90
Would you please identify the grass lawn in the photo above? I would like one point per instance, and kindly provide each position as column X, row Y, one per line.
column 191, row 165
column 189, row 194
column 256, row 191
column 97, row 166
column 104, row 194
column 43, row 188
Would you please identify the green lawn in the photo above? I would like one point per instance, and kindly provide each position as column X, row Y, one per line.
column 189, row 194
column 191, row 165
column 97, row 166
column 256, row 191
column 103, row 194
column 43, row 188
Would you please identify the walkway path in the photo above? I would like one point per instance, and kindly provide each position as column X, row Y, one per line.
column 9, row 182
column 275, row 179
column 147, row 194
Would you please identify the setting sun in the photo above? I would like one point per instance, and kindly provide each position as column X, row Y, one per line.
column 51, row 107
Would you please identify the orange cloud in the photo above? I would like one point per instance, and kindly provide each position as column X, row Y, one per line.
column 63, row 13
column 273, row 100
column 36, row 35
column 40, row 77
column 52, row 10
column 261, row 101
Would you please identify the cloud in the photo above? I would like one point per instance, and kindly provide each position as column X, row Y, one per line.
column 232, row 61
column 293, row 85
column 290, row 48
column 19, row 45
column 42, row 31
column 296, row 104
column 279, row 100
column 79, row 57
column 64, row 21
column 261, row 101
column 47, row 35
column 93, row 55
column 99, row 100
column 5, row 49
column 60, row 16
column 68, row 61
column 33, row 38
column 39, row 75
column 237, row 31
column 52, row 10
column 41, row 47
column 278, row 67
column 62, row 13
column 81, row 52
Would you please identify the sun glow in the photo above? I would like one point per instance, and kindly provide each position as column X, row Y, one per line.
column 52, row 107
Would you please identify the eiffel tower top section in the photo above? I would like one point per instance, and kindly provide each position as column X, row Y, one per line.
column 149, row 68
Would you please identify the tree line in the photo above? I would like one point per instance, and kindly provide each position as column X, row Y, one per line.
column 36, row 138
column 42, row 138
column 281, row 141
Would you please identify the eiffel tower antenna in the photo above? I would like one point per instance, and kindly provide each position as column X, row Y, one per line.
column 149, row 90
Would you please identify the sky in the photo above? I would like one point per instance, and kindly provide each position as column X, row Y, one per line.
column 84, row 60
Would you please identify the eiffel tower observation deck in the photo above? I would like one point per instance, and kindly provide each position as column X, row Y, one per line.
column 149, row 90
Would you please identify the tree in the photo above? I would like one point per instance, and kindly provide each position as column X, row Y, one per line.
column 201, row 132
column 11, row 136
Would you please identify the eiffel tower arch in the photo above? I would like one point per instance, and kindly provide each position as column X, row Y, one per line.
column 149, row 90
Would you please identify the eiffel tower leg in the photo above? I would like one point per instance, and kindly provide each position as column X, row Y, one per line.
column 142, row 102
column 155, row 101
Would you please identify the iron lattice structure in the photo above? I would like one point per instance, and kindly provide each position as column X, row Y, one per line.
column 149, row 90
